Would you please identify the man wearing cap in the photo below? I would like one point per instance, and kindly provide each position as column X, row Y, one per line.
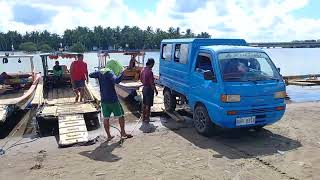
column 109, row 100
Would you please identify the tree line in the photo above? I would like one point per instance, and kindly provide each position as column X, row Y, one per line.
column 96, row 38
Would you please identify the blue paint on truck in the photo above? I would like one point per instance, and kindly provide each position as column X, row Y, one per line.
column 224, row 81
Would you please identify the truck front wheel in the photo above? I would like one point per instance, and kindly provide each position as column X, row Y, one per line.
column 170, row 101
column 202, row 121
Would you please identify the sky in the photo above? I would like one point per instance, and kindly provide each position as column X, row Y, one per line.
column 253, row 20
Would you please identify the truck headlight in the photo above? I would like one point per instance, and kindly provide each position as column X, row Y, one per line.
column 230, row 98
column 280, row 95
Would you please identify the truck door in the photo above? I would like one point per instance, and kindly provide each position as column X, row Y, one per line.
column 203, row 89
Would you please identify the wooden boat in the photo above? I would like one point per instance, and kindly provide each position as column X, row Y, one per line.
column 59, row 114
column 128, row 87
column 16, row 89
column 303, row 80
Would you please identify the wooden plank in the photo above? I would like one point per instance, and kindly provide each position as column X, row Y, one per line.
column 79, row 108
column 38, row 97
column 179, row 117
column 63, row 95
column 174, row 116
column 72, row 129
column 49, row 110
column 73, row 138
column 95, row 93
column 65, row 124
column 51, row 94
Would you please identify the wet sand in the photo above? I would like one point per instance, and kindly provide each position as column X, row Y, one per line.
column 288, row 149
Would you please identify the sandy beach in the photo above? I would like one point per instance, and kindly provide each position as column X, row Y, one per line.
column 288, row 149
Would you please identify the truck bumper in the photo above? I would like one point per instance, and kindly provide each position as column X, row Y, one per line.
column 264, row 115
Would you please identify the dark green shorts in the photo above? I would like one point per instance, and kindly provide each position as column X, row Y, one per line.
column 109, row 108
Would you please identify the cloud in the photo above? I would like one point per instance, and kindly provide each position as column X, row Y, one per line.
column 189, row 6
column 254, row 20
column 32, row 16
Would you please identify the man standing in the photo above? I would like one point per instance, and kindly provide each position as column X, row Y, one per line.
column 79, row 74
column 148, row 90
column 132, row 63
column 109, row 100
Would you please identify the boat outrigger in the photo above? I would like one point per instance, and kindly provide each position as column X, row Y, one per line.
column 16, row 89
column 59, row 114
column 128, row 87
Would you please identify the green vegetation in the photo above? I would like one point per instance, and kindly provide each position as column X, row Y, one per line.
column 78, row 47
column 45, row 48
column 99, row 37
column 28, row 47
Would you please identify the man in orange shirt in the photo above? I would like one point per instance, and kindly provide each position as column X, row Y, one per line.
column 79, row 75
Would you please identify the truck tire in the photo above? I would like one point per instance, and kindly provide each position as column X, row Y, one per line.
column 170, row 101
column 202, row 121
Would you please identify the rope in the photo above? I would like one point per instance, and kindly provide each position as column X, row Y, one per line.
column 2, row 150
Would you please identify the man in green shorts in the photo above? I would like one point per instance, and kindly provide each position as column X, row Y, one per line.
column 109, row 100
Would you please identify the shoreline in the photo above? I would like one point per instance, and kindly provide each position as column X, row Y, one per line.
column 286, row 149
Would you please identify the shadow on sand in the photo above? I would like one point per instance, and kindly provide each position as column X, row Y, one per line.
column 103, row 152
column 235, row 144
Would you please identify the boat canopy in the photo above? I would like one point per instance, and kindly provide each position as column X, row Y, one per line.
column 104, row 55
column 5, row 59
column 56, row 55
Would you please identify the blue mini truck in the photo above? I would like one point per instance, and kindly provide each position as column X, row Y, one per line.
column 226, row 83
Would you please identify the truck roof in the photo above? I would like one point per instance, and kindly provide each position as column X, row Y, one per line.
column 206, row 41
column 224, row 48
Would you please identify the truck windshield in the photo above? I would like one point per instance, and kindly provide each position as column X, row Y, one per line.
column 247, row 66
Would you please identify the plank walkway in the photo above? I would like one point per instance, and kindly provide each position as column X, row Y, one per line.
column 72, row 130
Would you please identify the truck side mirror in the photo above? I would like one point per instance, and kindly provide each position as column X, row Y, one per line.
column 278, row 69
column 209, row 75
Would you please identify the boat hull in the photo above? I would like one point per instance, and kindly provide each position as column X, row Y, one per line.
column 10, row 106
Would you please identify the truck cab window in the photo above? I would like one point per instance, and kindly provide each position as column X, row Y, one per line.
column 204, row 63
column 181, row 53
column 166, row 52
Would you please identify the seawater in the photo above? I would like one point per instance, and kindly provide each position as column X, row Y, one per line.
column 295, row 61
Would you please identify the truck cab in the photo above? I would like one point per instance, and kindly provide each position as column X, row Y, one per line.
column 226, row 83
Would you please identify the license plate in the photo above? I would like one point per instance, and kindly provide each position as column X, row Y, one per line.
column 245, row 121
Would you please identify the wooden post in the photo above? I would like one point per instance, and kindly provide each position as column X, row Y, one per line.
column 32, row 69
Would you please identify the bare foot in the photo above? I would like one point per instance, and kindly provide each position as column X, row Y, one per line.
column 110, row 138
column 76, row 100
column 126, row 136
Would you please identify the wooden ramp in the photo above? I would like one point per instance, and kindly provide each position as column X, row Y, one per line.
column 174, row 115
column 72, row 130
